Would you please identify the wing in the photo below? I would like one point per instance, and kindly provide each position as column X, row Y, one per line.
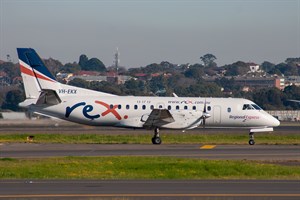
column 158, row 118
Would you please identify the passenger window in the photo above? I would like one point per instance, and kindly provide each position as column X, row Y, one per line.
column 185, row 107
column 119, row 107
column 160, row 106
column 151, row 107
column 229, row 110
column 143, row 107
column 111, row 106
column 208, row 108
column 127, row 107
column 177, row 107
column 135, row 107
column 169, row 107
column 194, row 107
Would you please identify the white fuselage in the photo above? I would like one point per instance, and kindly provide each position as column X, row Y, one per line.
column 131, row 111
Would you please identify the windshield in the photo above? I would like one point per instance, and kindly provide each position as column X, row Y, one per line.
column 251, row 107
column 256, row 107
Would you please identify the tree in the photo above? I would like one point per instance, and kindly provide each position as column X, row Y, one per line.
column 204, row 89
column 12, row 100
column 105, row 86
column 70, row 67
column 93, row 64
column 208, row 60
column 292, row 60
column 194, row 71
column 158, row 84
column 269, row 99
column 53, row 65
column 78, row 82
column 227, row 84
column 83, row 59
column 12, row 70
column 237, row 68
column 267, row 66
column 292, row 93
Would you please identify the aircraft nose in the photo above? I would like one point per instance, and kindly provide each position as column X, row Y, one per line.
column 275, row 122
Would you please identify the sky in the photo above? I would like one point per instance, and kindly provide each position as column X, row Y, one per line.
column 152, row 31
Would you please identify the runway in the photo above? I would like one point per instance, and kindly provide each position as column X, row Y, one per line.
column 139, row 189
column 147, row 189
column 282, row 153
column 63, row 127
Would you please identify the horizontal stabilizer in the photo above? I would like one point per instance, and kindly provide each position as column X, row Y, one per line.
column 48, row 97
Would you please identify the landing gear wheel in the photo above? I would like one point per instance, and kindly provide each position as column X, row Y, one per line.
column 156, row 140
column 251, row 142
column 251, row 138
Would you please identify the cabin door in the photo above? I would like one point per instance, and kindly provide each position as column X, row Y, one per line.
column 217, row 115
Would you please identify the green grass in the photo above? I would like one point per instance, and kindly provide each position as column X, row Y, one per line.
column 141, row 168
column 184, row 138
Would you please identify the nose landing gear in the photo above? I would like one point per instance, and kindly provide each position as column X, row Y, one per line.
column 251, row 138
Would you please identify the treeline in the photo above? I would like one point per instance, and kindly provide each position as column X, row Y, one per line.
column 165, row 78
column 267, row 98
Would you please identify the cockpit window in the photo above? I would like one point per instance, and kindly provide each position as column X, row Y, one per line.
column 256, row 107
column 251, row 107
column 248, row 107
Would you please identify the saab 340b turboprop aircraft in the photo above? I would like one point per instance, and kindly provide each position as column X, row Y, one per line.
column 46, row 96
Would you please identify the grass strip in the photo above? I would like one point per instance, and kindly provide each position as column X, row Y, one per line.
column 142, row 168
column 261, row 138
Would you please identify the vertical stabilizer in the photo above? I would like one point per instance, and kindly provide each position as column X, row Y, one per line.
column 35, row 74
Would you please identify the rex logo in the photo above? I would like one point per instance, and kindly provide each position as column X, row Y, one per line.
column 86, row 109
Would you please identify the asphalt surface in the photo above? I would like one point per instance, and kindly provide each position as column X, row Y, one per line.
column 139, row 189
column 63, row 127
column 145, row 189
column 284, row 153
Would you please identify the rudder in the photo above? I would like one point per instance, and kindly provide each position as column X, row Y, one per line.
column 35, row 74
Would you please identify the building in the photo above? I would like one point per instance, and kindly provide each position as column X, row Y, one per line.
column 89, row 78
column 249, row 82
column 254, row 67
column 260, row 82
column 292, row 80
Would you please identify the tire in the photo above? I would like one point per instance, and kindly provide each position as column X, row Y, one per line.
column 251, row 142
column 156, row 140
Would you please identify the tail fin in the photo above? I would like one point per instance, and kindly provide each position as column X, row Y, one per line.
column 36, row 76
column 41, row 86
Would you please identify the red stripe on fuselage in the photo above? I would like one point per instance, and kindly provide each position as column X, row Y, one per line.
column 30, row 73
column 109, row 110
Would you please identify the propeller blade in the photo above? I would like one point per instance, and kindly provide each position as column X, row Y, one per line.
column 203, row 115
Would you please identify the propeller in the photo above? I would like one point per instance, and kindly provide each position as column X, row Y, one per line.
column 200, row 120
column 205, row 115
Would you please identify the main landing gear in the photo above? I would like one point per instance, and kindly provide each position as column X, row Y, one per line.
column 251, row 138
column 156, row 139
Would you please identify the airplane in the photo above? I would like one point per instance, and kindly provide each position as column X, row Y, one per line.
column 46, row 96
